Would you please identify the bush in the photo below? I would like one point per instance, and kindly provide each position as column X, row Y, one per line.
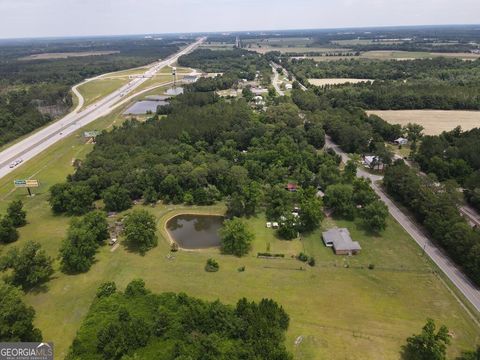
column 212, row 266
column 136, row 288
column 8, row 232
column 311, row 261
column 302, row 257
column 371, row 266
column 106, row 289
column 267, row 254
column 241, row 269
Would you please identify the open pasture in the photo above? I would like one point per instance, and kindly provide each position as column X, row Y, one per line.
column 434, row 121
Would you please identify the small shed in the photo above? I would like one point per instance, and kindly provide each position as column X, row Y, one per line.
column 341, row 242
column 401, row 141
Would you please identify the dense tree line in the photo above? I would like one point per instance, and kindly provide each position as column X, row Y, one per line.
column 199, row 155
column 398, row 95
column 455, row 71
column 15, row 69
column 454, row 155
column 439, row 83
column 19, row 109
column 29, row 88
column 435, row 207
column 140, row 324
column 234, row 64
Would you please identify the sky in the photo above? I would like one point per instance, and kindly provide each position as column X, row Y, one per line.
column 39, row 18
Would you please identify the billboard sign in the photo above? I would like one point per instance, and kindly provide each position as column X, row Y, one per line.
column 21, row 183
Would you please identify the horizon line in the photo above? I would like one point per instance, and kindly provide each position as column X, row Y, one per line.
column 52, row 37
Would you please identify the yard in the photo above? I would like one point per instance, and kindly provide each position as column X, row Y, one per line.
column 339, row 308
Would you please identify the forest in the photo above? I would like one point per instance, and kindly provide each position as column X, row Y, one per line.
column 454, row 155
column 28, row 87
column 237, row 63
column 435, row 208
column 440, row 83
column 138, row 324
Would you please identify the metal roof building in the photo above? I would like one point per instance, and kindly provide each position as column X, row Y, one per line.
column 341, row 242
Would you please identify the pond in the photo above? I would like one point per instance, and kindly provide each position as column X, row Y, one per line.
column 195, row 231
column 174, row 91
column 144, row 106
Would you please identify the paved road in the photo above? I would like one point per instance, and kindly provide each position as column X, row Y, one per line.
column 468, row 212
column 463, row 284
column 44, row 138
column 276, row 66
column 275, row 79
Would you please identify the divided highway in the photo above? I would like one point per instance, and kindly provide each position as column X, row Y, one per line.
column 39, row 141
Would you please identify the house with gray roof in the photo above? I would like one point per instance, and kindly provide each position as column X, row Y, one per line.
column 341, row 242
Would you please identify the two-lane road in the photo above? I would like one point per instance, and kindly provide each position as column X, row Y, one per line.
column 442, row 260
column 37, row 142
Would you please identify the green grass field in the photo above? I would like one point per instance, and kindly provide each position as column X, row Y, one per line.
column 340, row 312
column 95, row 90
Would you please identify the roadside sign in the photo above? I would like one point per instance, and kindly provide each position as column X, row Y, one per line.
column 32, row 183
column 20, row 183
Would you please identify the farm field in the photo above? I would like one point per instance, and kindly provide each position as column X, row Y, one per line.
column 397, row 55
column 212, row 45
column 409, row 55
column 336, row 310
column 434, row 121
column 66, row 55
column 336, row 81
column 262, row 49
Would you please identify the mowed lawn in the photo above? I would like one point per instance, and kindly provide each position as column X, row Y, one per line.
column 434, row 121
column 337, row 312
column 96, row 90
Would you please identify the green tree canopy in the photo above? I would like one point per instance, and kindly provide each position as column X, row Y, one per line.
column 430, row 344
column 339, row 197
column 30, row 266
column 140, row 231
column 116, row 198
column 8, row 232
column 375, row 216
column 16, row 213
column 236, row 238
column 16, row 318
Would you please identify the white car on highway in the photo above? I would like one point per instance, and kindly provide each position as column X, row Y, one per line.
column 15, row 163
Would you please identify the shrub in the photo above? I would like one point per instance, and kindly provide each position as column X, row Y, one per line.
column 302, row 257
column 311, row 261
column 106, row 289
column 212, row 266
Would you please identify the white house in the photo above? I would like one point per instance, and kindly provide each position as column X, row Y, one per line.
column 401, row 141
column 288, row 86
